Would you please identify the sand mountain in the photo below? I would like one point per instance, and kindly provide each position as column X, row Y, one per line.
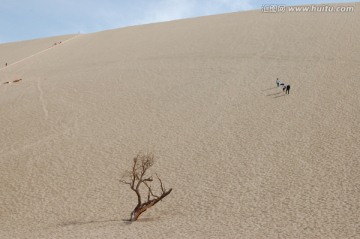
column 244, row 159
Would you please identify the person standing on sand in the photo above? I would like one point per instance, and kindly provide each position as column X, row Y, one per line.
column 6, row 64
column 277, row 82
column 287, row 89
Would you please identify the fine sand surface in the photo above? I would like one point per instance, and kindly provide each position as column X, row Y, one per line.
column 243, row 159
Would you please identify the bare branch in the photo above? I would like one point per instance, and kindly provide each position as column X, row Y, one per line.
column 150, row 191
column 124, row 182
column 148, row 197
column 161, row 184
column 138, row 176
column 147, row 179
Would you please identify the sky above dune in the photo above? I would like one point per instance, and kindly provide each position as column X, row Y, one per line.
column 30, row 19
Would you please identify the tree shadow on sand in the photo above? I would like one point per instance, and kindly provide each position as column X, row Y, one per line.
column 125, row 221
column 77, row 223
column 145, row 219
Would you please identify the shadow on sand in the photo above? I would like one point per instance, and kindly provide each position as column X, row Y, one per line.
column 76, row 223
column 279, row 96
column 145, row 219
column 274, row 94
column 125, row 221
column 269, row 88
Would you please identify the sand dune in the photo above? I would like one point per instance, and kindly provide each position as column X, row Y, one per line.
column 243, row 159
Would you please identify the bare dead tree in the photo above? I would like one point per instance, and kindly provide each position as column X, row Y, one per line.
column 137, row 178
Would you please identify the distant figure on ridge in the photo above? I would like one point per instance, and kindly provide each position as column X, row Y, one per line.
column 6, row 64
column 287, row 89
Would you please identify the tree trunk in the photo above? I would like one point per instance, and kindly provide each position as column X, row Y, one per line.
column 136, row 213
column 140, row 208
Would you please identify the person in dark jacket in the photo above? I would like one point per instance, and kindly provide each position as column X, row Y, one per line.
column 287, row 89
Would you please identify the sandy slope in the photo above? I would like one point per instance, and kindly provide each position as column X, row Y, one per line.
column 244, row 161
